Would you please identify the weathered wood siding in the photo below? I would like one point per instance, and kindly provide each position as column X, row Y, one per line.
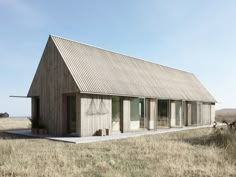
column 189, row 113
column 147, row 113
column 96, row 113
column 213, row 115
column 184, row 110
column 206, row 114
column 176, row 116
column 194, row 113
column 172, row 117
column 152, row 113
column 51, row 81
column 125, row 115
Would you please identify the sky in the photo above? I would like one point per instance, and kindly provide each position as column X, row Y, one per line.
column 198, row 36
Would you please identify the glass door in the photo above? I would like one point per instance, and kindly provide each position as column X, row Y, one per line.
column 163, row 114
column 136, row 113
column 115, row 113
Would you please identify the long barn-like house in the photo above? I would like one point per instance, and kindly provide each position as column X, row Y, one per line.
column 79, row 90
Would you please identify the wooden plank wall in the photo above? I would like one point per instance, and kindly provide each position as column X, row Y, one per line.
column 125, row 115
column 147, row 113
column 51, row 81
column 213, row 115
column 153, row 112
column 92, row 118
column 184, row 110
column 206, row 114
column 172, row 117
column 174, row 122
column 189, row 113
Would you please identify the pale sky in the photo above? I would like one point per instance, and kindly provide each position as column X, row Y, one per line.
column 198, row 36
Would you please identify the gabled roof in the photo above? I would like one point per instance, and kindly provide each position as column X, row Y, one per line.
column 98, row 71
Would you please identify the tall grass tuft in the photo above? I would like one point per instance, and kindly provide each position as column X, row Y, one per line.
column 6, row 150
column 225, row 137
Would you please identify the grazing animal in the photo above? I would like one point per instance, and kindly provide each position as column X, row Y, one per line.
column 230, row 125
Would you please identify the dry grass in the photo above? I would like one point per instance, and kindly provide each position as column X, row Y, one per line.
column 202, row 152
column 14, row 123
column 228, row 115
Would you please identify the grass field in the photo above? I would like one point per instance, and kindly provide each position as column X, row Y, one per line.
column 228, row 115
column 200, row 152
column 14, row 123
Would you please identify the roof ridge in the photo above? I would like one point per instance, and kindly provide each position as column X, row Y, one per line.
column 52, row 35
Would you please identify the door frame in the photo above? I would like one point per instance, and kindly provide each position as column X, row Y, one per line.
column 68, row 122
column 168, row 109
column 120, row 107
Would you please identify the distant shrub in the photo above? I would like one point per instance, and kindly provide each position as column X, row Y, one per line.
column 3, row 115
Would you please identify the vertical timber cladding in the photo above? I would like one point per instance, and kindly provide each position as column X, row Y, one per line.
column 152, row 113
column 184, row 113
column 125, row 114
column 199, row 113
column 51, row 81
column 96, row 113
column 212, row 112
column 173, row 114
column 189, row 113
column 206, row 113
column 147, row 113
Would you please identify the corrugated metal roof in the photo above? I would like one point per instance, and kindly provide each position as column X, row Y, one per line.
column 98, row 71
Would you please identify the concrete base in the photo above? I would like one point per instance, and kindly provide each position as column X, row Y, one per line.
column 114, row 136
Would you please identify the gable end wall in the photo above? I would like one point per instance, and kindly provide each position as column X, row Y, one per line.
column 51, row 82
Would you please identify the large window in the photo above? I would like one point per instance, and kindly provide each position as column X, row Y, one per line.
column 162, row 117
column 194, row 113
column 136, row 113
column 116, row 113
column 178, row 112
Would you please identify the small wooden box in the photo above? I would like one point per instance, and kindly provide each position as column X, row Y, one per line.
column 101, row 132
column 108, row 132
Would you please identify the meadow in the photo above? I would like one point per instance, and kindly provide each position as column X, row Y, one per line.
column 200, row 152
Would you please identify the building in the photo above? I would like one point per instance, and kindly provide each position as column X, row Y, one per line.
column 79, row 89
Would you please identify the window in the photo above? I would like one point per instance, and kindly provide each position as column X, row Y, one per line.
column 136, row 113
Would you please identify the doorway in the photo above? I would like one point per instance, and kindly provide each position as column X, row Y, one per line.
column 71, row 114
column 176, row 114
column 163, row 114
column 116, row 113
column 36, row 112
column 136, row 113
